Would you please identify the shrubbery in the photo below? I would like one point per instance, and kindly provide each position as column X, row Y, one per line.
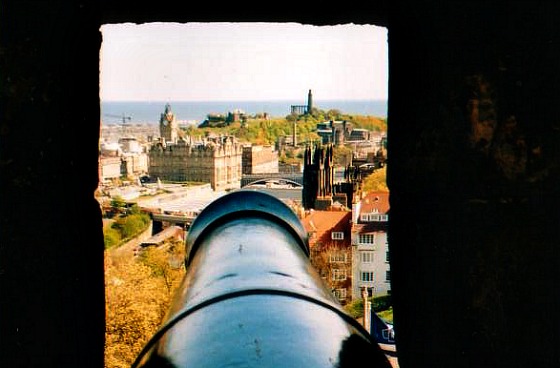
column 130, row 225
column 125, row 227
column 111, row 236
column 138, row 295
column 378, row 304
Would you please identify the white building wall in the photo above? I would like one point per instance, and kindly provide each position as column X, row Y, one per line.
column 381, row 265
column 375, row 263
column 109, row 168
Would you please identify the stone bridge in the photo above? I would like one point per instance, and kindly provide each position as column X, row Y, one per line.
column 296, row 178
column 158, row 219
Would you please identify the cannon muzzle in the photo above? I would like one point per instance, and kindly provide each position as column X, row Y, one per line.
column 251, row 298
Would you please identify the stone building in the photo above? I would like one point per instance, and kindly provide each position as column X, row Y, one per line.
column 134, row 165
column 318, row 175
column 334, row 131
column 214, row 160
column 320, row 191
column 109, row 168
column 134, row 159
column 123, row 159
column 259, row 160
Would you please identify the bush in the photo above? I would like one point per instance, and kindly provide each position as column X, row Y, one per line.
column 378, row 304
column 111, row 237
column 381, row 303
column 129, row 226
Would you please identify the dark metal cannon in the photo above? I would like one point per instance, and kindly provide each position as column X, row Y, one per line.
column 251, row 298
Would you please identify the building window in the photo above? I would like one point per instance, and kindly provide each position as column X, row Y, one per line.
column 337, row 235
column 340, row 294
column 366, row 276
column 366, row 239
column 367, row 257
column 337, row 257
column 338, row 274
column 388, row 276
column 374, row 217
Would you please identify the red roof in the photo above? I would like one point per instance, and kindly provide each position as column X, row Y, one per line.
column 320, row 225
column 375, row 201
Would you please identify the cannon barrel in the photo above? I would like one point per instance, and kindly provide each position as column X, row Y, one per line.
column 251, row 298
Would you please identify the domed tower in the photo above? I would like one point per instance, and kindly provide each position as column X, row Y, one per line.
column 168, row 125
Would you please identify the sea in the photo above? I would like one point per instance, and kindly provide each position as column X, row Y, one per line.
column 195, row 112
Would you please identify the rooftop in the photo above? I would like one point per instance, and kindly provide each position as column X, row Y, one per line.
column 376, row 202
column 321, row 222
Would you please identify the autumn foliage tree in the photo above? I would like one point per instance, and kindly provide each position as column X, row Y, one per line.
column 125, row 227
column 376, row 181
column 334, row 265
column 138, row 294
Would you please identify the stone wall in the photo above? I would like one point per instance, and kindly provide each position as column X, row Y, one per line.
column 474, row 179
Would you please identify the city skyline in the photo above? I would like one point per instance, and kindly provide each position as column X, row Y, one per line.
column 242, row 61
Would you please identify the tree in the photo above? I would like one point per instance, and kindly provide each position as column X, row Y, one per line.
column 139, row 291
column 376, row 181
column 129, row 226
column 118, row 204
column 342, row 155
column 136, row 303
column 166, row 262
column 333, row 114
column 328, row 258
column 134, row 210
column 370, row 123
column 292, row 117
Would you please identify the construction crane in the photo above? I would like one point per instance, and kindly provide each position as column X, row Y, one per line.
column 124, row 123
column 123, row 117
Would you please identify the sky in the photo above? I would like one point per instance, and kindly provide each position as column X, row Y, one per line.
column 242, row 61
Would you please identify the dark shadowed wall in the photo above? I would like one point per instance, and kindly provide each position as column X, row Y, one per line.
column 473, row 173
